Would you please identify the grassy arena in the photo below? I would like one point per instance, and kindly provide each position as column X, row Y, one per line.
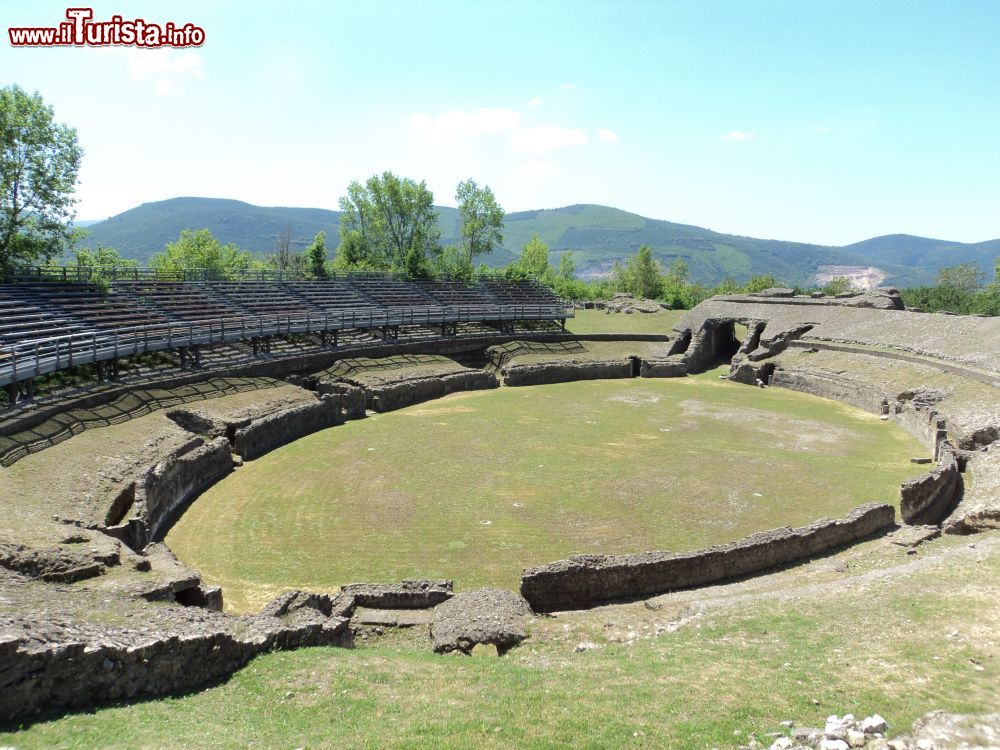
column 477, row 486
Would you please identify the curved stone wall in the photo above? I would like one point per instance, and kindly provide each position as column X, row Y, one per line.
column 194, row 650
column 587, row 580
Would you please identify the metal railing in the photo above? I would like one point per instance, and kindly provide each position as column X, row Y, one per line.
column 29, row 359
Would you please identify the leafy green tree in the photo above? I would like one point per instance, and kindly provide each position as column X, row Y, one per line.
column 965, row 277
column 534, row 260
column 728, row 285
column 567, row 266
column 675, row 284
column 837, row 285
column 455, row 263
column 760, row 282
column 39, row 161
column 388, row 223
column 101, row 258
column 350, row 253
column 482, row 218
column 199, row 250
column 101, row 265
column 315, row 255
column 641, row 275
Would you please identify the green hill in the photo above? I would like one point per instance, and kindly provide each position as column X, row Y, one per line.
column 923, row 252
column 598, row 235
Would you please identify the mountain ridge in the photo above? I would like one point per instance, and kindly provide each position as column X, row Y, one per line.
column 598, row 235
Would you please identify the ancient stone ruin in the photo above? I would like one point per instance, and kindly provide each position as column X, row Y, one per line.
column 96, row 535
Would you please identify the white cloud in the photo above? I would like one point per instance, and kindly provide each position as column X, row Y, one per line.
column 539, row 168
column 607, row 136
column 821, row 128
column 170, row 67
column 535, row 101
column 544, row 138
column 568, row 86
column 738, row 135
column 456, row 125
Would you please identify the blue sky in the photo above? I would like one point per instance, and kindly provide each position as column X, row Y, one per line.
column 803, row 120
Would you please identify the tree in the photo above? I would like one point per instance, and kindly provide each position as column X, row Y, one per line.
column 388, row 223
column 482, row 218
column 315, row 256
column 567, row 266
column 454, row 263
column 199, row 250
column 760, row 282
column 101, row 265
column 534, row 260
column 837, row 285
column 101, row 258
column 284, row 259
column 965, row 277
column 39, row 161
column 641, row 275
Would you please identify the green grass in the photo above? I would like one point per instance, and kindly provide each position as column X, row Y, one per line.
column 477, row 486
column 900, row 645
column 598, row 321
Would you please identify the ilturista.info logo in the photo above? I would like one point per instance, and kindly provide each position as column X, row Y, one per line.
column 81, row 30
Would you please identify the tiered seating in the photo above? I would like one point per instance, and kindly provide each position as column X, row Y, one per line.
column 90, row 307
column 261, row 297
column 329, row 295
column 178, row 300
column 393, row 293
column 455, row 293
column 521, row 292
column 23, row 317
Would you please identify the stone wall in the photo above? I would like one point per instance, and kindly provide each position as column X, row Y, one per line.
column 931, row 497
column 274, row 430
column 979, row 509
column 588, row 580
column 663, row 368
column 352, row 397
column 396, row 395
column 829, row 385
column 542, row 373
column 169, row 487
column 64, row 665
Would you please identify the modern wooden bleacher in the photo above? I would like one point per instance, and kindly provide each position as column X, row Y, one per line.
column 179, row 301
column 260, row 297
column 50, row 325
column 394, row 293
column 330, row 296
column 521, row 292
column 455, row 293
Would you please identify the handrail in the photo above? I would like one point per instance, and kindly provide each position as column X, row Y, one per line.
column 22, row 360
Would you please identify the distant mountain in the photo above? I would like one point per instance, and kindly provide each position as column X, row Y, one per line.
column 923, row 252
column 144, row 230
column 598, row 235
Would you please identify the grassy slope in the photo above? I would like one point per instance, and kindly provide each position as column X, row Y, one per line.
column 598, row 321
column 900, row 645
column 477, row 486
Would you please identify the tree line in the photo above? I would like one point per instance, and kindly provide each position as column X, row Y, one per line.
column 388, row 224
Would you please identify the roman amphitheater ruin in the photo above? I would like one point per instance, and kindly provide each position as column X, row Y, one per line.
column 193, row 380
